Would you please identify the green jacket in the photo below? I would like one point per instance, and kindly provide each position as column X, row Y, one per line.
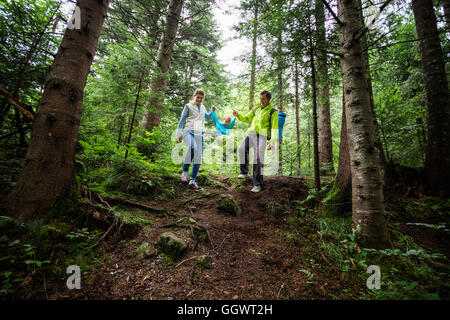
column 260, row 121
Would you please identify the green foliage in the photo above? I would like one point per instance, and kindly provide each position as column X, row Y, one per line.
column 20, row 24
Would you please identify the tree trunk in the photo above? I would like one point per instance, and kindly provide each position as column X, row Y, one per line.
column 48, row 173
column 365, row 54
column 152, row 115
column 315, row 131
column 323, row 93
column 134, row 114
column 338, row 200
column 297, row 119
column 253, row 59
column 367, row 187
column 437, row 161
column 309, row 141
column 280, row 97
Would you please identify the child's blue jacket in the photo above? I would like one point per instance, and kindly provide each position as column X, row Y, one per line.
column 222, row 129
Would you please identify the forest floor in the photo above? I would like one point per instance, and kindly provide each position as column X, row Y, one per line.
column 272, row 245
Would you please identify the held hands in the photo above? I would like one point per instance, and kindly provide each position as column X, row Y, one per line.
column 213, row 108
column 178, row 139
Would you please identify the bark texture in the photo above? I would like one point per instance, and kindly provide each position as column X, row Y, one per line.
column 297, row 119
column 338, row 200
column 365, row 54
column 314, row 106
column 437, row 161
column 152, row 115
column 47, row 175
column 367, row 187
column 323, row 92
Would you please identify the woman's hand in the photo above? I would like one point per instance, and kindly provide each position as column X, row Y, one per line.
column 178, row 139
column 235, row 113
column 270, row 146
column 213, row 108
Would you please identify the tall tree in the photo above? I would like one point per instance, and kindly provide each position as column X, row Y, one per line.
column 48, row 173
column 367, row 187
column 339, row 198
column 297, row 118
column 253, row 58
column 152, row 115
column 365, row 54
column 323, row 91
column 314, row 110
column 437, row 161
column 280, row 69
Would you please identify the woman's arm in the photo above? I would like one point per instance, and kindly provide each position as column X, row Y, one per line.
column 208, row 115
column 182, row 121
column 214, row 117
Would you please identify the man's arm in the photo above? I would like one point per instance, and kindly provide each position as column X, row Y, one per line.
column 248, row 117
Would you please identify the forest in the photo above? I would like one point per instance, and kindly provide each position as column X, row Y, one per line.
column 348, row 193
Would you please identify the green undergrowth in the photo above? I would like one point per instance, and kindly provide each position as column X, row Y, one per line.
column 33, row 265
column 408, row 271
column 133, row 176
column 328, row 247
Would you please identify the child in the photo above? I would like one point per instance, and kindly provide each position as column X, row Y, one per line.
column 222, row 129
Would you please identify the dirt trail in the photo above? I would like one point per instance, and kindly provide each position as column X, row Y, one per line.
column 251, row 256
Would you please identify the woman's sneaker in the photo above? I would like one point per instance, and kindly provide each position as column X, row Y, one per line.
column 194, row 185
column 243, row 176
column 184, row 178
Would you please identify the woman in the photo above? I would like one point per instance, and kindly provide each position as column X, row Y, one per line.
column 194, row 116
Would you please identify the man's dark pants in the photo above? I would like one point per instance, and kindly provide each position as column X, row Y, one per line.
column 258, row 143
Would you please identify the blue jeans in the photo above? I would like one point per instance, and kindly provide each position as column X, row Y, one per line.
column 194, row 141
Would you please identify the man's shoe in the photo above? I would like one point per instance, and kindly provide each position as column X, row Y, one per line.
column 256, row 189
column 184, row 178
column 194, row 185
column 243, row 176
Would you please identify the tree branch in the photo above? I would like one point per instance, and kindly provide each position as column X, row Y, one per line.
column 25, row 109
column 366, row 28
column 332, row 13
column 329, row 52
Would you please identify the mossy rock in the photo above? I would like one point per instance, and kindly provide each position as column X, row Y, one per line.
column 203, row 179
column 146, row 251
column 203, row 262
column 228, row 205
column 52, row 232
column 171, row 245
column 11, row 227
column 237, row 184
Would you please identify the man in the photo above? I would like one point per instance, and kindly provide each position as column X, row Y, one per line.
column 257, row 137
